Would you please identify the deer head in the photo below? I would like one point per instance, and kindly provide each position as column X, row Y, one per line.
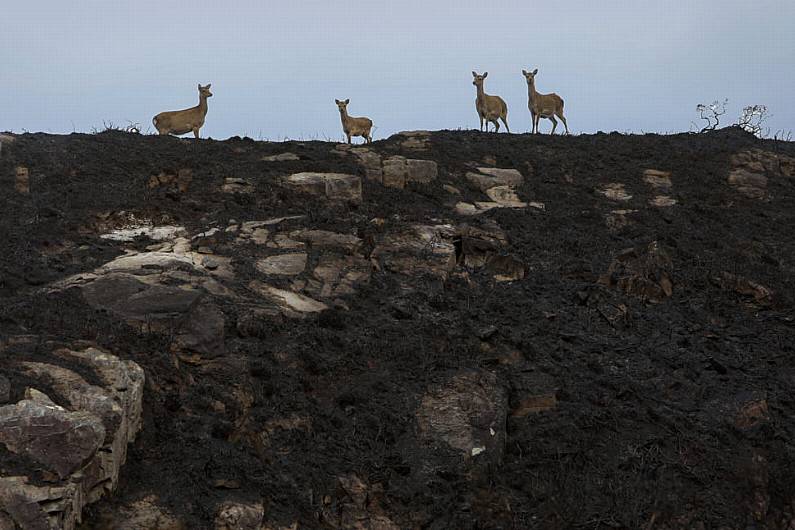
column 342, row 105
column 530, row 76
column 204, row 91
column 478, row 79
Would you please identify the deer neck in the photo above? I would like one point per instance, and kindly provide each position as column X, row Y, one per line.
column 203, row 105
column 531, row 92
column 481, row 92
column 344, row 116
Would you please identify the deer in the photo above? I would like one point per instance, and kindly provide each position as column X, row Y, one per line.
column 489, row 108
column 543, row 105
column 354, row 126
column 184, row 121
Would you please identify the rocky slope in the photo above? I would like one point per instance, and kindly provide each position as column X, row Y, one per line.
column 441, row 330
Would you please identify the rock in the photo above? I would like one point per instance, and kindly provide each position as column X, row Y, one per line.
column 659, row 180
column 337, row 186
column 662, row 201
column 293, row 304
column 464, row 418
column 417, row 249
column 451, row 189
column 752, row 413
column 618, row 219
column 506, row 268
column 284, row 241
column 202, row 331
column 283, row 264
column 5, row 142
column 487, row 332
column 644, row 273
column 133, row 299
column 238, row 516
column 327, row 239
column 60, row 440
column 752, row 185
column 340, row 275
column 614, row 191
column 505, row 196
column 465, row 208
column 22, row 183
column 5, row 389
column 415, row 140
column 398, row 170
column 143, row 514
column 489, row 177
column 422, row 171
column 394, row 172
column 371, row 161
column 155, row 233
column 237, row 185
column 761, row 294
column 281, row 157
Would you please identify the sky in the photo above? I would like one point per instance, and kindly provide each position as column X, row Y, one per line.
column 276, row 67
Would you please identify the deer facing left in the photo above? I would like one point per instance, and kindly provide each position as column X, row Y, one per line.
column 184, row 121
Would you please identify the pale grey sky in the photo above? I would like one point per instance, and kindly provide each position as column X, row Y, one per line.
column 276, row 67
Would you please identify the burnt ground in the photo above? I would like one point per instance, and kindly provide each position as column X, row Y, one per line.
column 648, row 424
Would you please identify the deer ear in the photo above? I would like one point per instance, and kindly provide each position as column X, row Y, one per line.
column 337, row 101
column 524, row 72
column 208, row 85
column 200, row 86
column 535, row 71
column 474, row 73
column 485, row 75
column 347, row 101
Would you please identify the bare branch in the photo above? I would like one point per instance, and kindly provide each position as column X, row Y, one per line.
column 752, row 119
column 711, row 113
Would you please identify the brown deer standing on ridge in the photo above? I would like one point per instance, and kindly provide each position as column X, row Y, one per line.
column 354, row 126
column 543, row 105
column 489, row 108
column 184, row 121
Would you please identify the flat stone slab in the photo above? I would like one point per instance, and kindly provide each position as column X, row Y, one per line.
column 294, row 304
column 283, row 264
column 338, row 186
column 662, row 201
column 281, row 157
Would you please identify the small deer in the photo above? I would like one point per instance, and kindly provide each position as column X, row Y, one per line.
column 354, row 126
column 543, row 105
column 184, row 121
column 489, row 107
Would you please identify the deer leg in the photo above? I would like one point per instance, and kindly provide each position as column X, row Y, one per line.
column 554, row 124
column 560, row 115
column 481, row 122
column 196, row 132
column 496, row 125
column 505, row 121
column 349, row 138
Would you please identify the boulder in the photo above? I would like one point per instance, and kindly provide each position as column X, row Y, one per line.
column 488, row 177
column 202, row 331
column 61, row 441
column 337, row 186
